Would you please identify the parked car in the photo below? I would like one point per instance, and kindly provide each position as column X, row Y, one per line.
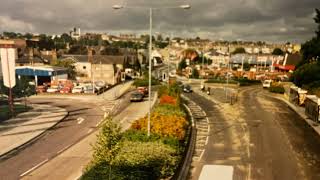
column 41, row 89
column 266, row 83
column 143, row 90
column 65, row 89
column 53, row 89
column 89, row 89
column 136, row 97
column 78, row 89
column 187, row 88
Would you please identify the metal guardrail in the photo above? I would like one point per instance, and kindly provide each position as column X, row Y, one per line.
column 183, row 171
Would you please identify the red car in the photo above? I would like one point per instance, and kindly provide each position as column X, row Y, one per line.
column 65, row 90
column 143, row 90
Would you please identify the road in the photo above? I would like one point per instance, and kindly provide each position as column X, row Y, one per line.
column 70, row 163
column 82, row 120
column 260, row 137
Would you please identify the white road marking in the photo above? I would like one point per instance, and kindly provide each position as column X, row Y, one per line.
column 63, row 149
column 249, row 172
column 33, row 168
column 201, row 155
column 80, row 120
column 207, row 140
column 90, row 130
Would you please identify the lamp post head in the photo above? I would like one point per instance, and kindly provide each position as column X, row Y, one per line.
column 117, row 7
column 186, row 6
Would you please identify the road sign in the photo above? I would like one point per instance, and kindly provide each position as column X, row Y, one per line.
column 8, row 56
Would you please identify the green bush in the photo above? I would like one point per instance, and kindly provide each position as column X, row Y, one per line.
column 247, row 82
column 222, row 81
column 169, row 110
column 137, row 160
column 145, row 82
column 277, row 89
column 174, row 90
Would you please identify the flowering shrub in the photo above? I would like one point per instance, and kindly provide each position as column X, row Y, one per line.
column 164, row 125
column 166, row 99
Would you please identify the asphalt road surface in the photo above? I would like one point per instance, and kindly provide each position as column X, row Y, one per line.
column 260, row 137
column 83, row 118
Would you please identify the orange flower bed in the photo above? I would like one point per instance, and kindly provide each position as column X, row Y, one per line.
column 174, row 126
column 166, row 99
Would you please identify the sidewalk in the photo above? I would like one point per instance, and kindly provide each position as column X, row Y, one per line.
column 71, row 162
column 299, row 110
column 18, row 131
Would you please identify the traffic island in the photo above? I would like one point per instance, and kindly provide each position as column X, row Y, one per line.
column 25, row 127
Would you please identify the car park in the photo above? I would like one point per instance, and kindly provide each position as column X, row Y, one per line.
column 136, row 97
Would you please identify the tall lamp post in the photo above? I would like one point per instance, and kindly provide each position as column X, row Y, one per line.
column 117, row 7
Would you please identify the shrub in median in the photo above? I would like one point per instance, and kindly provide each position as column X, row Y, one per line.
column 165, row 99
column 277, row 89
column 172, row 124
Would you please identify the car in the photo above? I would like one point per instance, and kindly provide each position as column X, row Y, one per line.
column 187, row 88
column 143, row 90
column 78, row 89
column 266, row 83
column 136, row 97
column 89, row 89
column 53, row 89
column 65, row 89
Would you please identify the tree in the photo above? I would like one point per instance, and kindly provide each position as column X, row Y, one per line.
column 21, row 89
column 195, row 74
column 246, row 66
column 66, row 38
column 10, row 35
column 311, row 48
column 159, row 37
column 277, row 51
column 239, row 50
column 308, row 72
column 182, row 64
column 69, row 65
column 28, row 36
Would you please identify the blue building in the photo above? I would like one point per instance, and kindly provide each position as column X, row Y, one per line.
column 42, row 74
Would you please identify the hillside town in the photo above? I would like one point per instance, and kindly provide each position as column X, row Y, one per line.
column 200, row 91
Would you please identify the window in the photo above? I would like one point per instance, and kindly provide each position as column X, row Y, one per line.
column 84, row 67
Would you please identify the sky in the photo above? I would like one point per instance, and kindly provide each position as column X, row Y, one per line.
column 246, row 20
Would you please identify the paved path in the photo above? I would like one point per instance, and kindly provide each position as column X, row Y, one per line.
column 18, row 131
column 70, row 163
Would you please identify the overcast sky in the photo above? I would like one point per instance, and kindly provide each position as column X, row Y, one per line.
column 266, row 20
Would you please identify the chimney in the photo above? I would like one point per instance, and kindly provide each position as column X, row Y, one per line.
column 90, row 55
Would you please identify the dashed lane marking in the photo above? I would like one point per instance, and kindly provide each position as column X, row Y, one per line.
column 33, row 168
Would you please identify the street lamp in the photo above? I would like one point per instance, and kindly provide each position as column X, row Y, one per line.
column 117, row 7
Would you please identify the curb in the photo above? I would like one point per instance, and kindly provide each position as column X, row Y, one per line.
column 32, row 140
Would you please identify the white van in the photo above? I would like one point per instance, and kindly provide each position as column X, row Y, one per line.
column 266, row 83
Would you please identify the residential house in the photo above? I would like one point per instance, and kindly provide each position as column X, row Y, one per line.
column 106, row 68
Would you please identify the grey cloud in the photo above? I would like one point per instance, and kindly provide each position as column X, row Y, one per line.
column 272, row 20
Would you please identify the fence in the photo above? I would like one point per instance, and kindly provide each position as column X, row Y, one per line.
column 312, row 107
